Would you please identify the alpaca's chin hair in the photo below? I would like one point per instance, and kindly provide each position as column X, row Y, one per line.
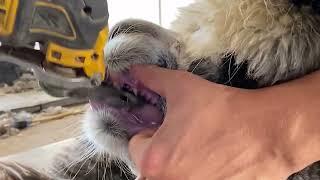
column 104, row 141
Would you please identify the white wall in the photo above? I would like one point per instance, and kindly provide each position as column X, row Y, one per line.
column 141, row 9
column 145, row 9
column 170, row 10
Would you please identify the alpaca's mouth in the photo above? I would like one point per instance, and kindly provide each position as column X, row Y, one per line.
column 134, row 106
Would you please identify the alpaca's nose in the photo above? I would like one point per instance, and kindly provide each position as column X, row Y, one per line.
column 314, row 4
column 300, row 3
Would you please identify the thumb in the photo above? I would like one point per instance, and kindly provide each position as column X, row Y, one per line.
column 162, row 81
column 138, row 145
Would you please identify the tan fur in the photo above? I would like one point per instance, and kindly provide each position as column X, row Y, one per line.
column 271, row 35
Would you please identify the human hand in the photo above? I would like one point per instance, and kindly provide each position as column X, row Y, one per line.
column 214, row 132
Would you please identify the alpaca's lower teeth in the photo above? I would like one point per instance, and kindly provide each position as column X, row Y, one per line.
column 124, row 82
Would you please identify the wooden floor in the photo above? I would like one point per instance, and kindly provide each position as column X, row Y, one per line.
column 41, row 135
column 25, row 99
column 37, row 144
column 39, row 158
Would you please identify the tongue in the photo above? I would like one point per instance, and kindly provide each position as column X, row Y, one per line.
column 144, row 117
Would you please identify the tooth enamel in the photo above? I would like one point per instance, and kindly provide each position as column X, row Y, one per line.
column 154, row 101
column 116, row 84
column 148, row 97
column 135, row 91
column 122, row 84
column 126, row 86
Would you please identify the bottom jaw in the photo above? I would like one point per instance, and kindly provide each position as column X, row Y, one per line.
column 135, row 107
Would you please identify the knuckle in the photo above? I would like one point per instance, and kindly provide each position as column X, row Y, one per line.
column 155, row 161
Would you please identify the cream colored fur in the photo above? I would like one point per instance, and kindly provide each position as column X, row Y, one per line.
column 278, row 41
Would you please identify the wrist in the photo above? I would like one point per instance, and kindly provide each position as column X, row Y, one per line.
column 259, row 113
column 298, row 141
column 303, row 138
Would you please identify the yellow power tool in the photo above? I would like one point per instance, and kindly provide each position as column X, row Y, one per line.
column 62, row 41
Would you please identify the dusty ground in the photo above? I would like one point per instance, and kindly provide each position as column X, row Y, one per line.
column 41, row 134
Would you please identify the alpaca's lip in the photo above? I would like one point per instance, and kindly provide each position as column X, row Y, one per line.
column 136, row 107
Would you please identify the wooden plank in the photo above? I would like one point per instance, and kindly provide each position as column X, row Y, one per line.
column 34, row 101
column 26, row 99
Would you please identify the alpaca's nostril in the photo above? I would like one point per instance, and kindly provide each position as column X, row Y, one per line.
column 299, row 3
column 313, row 4
column 316, row 6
